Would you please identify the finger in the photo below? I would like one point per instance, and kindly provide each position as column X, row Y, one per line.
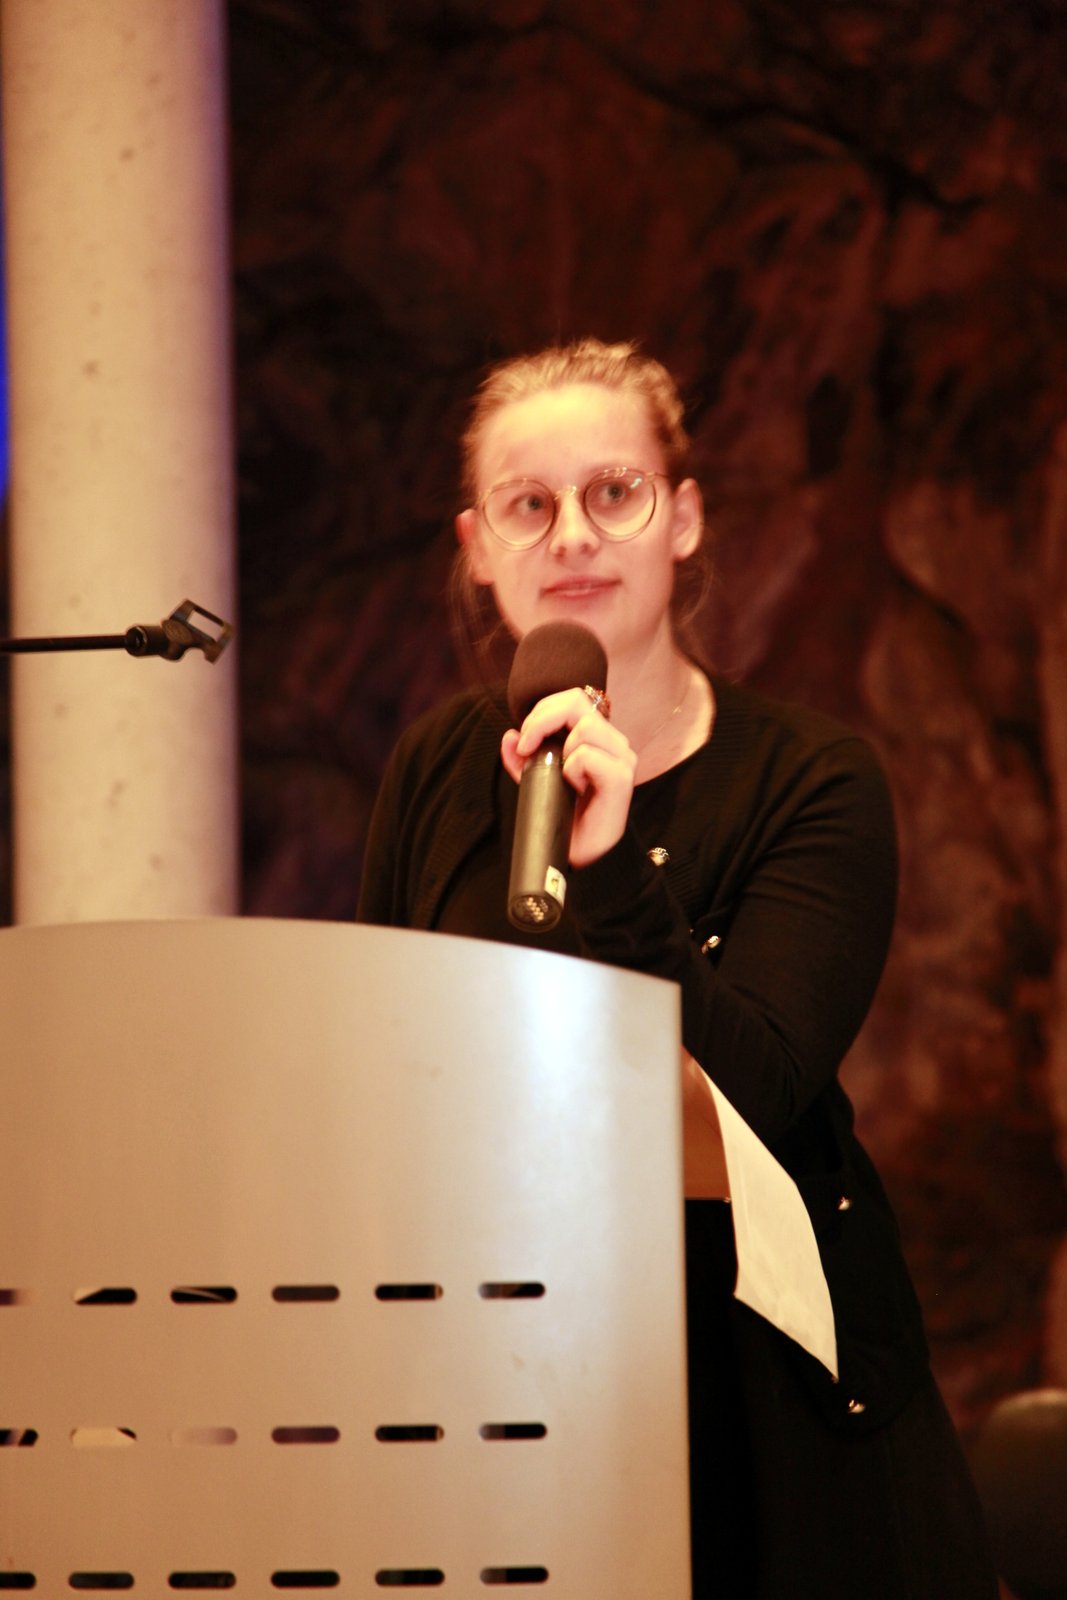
column 555, row 711
column 605, row 789
column 609, row 773
column 513, row 763
column 592, row 730
column 587, row 732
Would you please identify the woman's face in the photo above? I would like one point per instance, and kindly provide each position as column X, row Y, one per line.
column 620, row 590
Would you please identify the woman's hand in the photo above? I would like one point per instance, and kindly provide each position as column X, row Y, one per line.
column 704, row 1173
column 597, row 762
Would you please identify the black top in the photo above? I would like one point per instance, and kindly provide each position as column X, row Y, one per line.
column 475, row 904
column 781, row 841
column 773, row 914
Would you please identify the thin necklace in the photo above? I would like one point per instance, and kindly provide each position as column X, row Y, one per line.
column 643, row 746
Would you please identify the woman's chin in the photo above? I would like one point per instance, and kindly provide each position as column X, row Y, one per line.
column 591, row 607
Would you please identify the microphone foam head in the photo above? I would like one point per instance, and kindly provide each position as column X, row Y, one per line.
column 551, row 657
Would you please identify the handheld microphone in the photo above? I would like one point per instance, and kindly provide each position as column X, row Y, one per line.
column 554, row 656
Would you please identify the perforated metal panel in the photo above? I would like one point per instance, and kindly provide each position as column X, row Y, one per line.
column 337, row 1258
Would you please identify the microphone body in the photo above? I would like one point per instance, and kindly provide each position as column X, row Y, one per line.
column 552, row 657
column 537, row 887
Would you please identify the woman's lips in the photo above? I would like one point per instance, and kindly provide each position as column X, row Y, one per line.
column 578, row 588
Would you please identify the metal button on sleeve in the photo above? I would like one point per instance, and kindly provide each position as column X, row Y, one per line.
column 844, row 1204
column 659, row 856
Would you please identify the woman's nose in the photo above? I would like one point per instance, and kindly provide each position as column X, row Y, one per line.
column 572, row 529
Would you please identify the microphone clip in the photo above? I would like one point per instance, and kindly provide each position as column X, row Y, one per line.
column 180, row 632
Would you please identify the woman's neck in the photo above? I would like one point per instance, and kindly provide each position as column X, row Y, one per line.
column 665, row 708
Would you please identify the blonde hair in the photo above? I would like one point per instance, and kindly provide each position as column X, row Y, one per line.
column 620, row 367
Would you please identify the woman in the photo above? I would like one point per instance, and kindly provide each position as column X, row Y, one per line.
column 745, row 850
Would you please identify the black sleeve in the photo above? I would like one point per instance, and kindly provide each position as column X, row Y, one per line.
column 377, row 890
column 770, row 1013
column 383, row 889
column 431, row 804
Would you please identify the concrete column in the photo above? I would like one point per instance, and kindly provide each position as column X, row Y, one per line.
column 115, row 171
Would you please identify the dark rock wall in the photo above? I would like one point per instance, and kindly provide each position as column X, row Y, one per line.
column 844, row 226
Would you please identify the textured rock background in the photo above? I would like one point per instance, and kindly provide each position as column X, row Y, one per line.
column 845, row 227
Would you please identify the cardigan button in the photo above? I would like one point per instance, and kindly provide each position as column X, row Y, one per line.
column 659, row 856
column 710, row 944
column 844, row 1204
column 856, row 1408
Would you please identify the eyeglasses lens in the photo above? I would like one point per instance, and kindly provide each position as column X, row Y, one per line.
column 620, row 503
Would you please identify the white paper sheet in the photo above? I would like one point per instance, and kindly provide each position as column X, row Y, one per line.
column 779, row 1271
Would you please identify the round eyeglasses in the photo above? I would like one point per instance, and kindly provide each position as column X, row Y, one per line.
column 618, row 501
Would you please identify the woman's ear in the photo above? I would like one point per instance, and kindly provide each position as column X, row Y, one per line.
column 470, row 535
column 687, row 525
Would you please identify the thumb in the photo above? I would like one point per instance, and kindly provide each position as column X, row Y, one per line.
column 513, row 764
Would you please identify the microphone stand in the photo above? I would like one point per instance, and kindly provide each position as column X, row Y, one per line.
column 170, row 639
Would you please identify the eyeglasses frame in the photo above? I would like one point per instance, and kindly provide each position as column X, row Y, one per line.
column 580, row 491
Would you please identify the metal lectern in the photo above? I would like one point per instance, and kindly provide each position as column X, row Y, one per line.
column 336, row 1257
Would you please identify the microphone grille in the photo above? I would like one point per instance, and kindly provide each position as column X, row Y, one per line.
column 551, row 657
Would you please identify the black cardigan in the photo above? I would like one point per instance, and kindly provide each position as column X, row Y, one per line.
column 773, row 914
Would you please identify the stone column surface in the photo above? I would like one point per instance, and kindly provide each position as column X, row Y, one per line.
column 115, row 170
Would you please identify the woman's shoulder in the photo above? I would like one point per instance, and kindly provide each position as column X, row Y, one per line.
column 441, row 733
column 772, row 761
column 452, row 718
column 785, row 732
